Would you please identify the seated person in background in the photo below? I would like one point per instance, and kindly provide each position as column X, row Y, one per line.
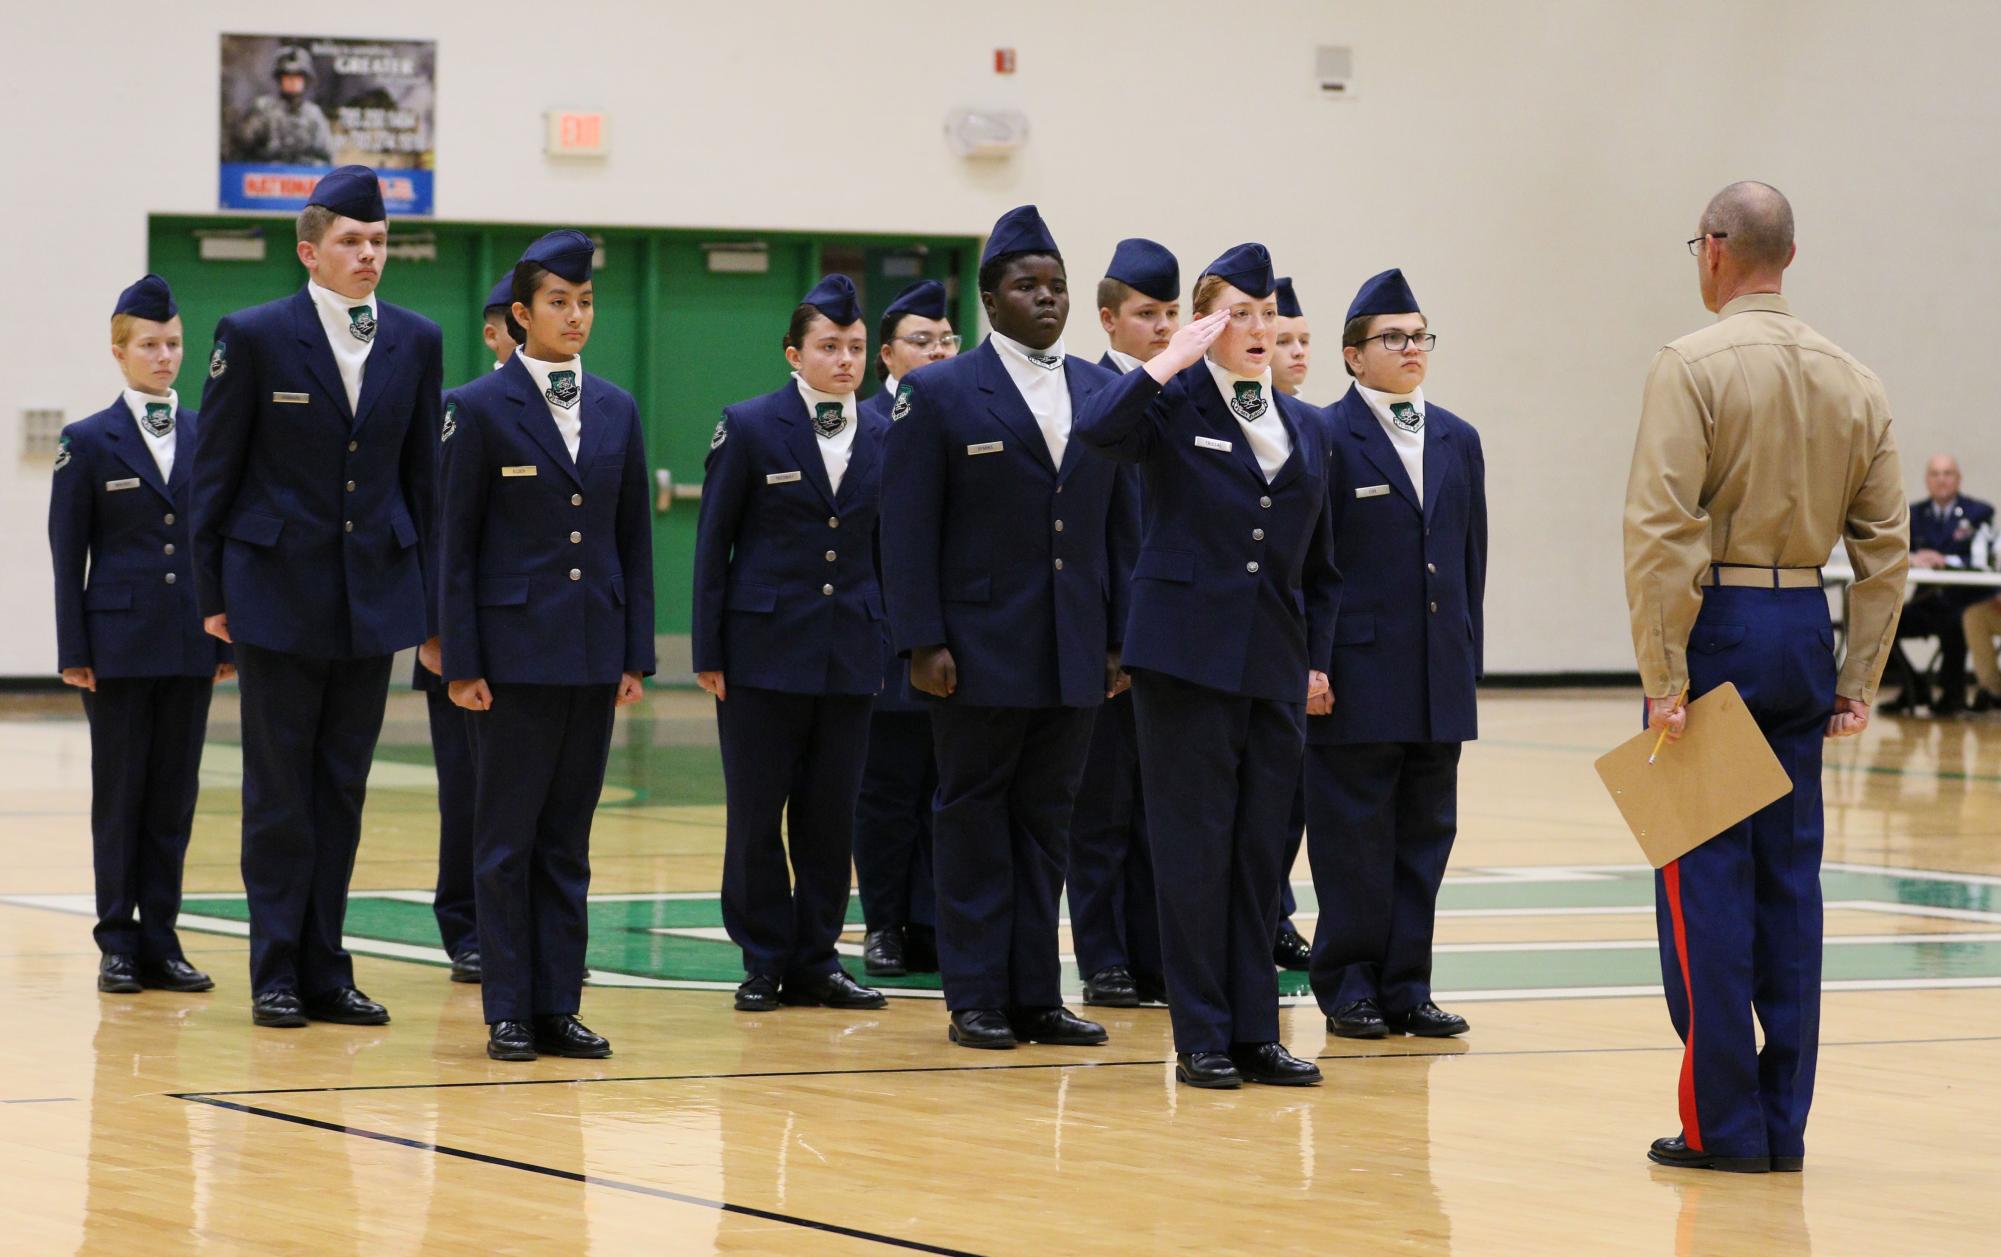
column 1947, row 531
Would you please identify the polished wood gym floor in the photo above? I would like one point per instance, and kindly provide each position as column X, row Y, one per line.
column 160, row 1124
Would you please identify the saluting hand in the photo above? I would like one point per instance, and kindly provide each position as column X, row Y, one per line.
column 1187, row 347
column 933, row 670
column 713, row 683
column 1319, row 694
column 471, row 695
column 630, row 690
column 1851, row 716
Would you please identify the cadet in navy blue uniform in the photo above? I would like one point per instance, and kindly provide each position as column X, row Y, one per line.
column 1114, row 921
column 1233, row 603
column 788, row 637
column 1291, row 357
column 1408, row 487
column 893, row 814
column 547, row 608
column 1004, row 554
column 453, row 903
column 312, row 498
column 132, row 641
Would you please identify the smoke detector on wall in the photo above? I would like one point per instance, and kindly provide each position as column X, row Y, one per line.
column 985, row 133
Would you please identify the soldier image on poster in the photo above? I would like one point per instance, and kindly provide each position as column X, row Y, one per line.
column 286, row 126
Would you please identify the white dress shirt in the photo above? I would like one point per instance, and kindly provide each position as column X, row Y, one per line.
column 1123, row 361
column 835, row 450
column 569, row 419
column 350, row 355
column 1269, row 440
column 1409, row 442
column 161, row 446
column 1045, row 390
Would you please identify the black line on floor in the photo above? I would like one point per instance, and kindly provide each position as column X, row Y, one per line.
column 588, row 1180
column 1465, row 1051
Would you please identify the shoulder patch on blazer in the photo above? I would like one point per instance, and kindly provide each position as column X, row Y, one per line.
column 722, row 433
column 902, row 406
column 1372, row 490
column 518, row 471
column 218, row 361
column 62, row 452
column 114, row 486
column 781, row 477
column 451, row 422
column 988, row 447
column 1211, row 443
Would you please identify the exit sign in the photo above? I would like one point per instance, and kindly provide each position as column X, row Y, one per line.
column 576, row 134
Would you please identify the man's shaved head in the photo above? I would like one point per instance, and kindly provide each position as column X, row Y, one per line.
column 1758, row 221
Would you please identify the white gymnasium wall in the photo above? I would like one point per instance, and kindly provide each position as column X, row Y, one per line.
column 1533, row 165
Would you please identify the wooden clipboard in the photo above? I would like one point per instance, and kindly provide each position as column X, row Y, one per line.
column 1721, row 771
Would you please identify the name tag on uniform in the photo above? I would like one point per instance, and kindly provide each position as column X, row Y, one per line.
column 291, row 399
column 113, row 486
column 518, row 471
column 991, row 447
column 1211, row 443
column 1372, row 491
column 782, row 477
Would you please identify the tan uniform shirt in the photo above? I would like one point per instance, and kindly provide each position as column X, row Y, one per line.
column 1760, row 443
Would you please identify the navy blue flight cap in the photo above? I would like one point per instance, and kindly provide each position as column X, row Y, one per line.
column 502, row 295
column 834, row 296
column 1288, row 300
column 567, row 252
column 1386, row 293
column 925, row 299
column 1146, row 267
column 1246, row 268
column 1020, row 230
column 150, row 298
column 352, row 192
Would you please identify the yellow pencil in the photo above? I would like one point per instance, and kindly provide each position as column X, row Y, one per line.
column 1661, row 741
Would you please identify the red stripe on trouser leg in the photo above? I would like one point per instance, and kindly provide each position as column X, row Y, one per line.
column 1691, row 1125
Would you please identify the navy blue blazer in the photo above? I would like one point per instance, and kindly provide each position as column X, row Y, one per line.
column 1407, row 647
column 547, row 563
column 786, row 596
column 1953, row 536
column 110, row 513
column 1235, row 588
column 311, row 522
column 1016, row 565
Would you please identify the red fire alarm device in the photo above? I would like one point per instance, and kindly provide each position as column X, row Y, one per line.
column 1003, row 61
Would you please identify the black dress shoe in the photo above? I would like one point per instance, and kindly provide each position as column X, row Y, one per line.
column 831, row 990
column 1272, row 1065
column 1290, row 950
column 1907, row 701
column 118, row 975
column 465, row 967
column 1428, row 1021
column 920, row 948
column 981, row 1028
column 278, row 1009
column 348, row 1007
column 1675, row 1151
column 1358, row 1019
column 510, row 1041
column 757, row 994
column 1211, row 1070
column 1112, row 988
column 1983, row 700
column 882, row 953
column 1056, row 1025
column 564, row 1035
column 175, row 975
column 1150, row 987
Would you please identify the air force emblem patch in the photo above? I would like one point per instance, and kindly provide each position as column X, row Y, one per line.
column 1249, row 403
column 451, row 424
column 563, row 389
column 62, row 452
column 722, row 434
column 361, row 323
column 902, row 406
column 218, row 361
column 1407, row 416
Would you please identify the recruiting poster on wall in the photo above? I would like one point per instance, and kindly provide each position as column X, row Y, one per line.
column 296, row 106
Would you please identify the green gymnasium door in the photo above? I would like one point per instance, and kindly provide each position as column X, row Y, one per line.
column 684, row 339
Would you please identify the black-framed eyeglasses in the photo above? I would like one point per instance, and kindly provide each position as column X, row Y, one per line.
column 1695, row 245
column 1396, row 342
column 925, row 340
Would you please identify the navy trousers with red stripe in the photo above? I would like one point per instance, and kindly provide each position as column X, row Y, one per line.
column 1740, row 916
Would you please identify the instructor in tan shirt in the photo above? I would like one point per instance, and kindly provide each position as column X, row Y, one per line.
column 1760, row 443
